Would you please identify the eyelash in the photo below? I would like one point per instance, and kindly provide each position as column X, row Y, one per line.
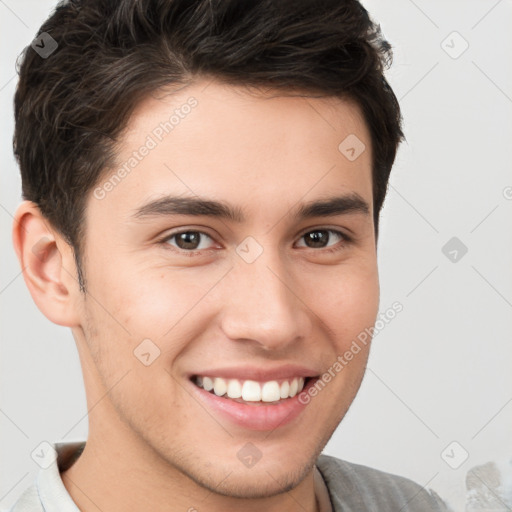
column 338, row 247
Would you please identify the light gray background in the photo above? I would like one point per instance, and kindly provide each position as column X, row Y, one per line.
column 441, row 370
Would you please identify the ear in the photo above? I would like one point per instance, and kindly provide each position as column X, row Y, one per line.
column 48, row 265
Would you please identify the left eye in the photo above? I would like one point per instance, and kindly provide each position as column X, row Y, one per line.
column 320, row 238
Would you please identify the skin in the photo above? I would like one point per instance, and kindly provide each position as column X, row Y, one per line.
column 150, row 445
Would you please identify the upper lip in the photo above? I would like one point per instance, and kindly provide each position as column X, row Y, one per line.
column 287, row 371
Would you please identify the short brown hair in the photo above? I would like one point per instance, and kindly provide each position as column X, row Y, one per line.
column 71, row 106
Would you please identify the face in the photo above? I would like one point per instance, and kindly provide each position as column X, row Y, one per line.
column 251, row 288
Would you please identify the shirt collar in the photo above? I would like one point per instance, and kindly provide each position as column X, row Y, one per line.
column 321, row 492
column 51, row 490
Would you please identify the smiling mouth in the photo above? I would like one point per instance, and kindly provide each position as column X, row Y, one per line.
column 252, row 392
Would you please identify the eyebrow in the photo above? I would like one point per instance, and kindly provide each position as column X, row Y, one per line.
column 197, row 206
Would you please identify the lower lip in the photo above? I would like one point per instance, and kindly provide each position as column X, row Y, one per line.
column 254, row 417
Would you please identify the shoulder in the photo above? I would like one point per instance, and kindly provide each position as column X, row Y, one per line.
column 28, row 501
column 354, row 487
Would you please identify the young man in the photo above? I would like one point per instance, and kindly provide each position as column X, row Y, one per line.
column 202, row 184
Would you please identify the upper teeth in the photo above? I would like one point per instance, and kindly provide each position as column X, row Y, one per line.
column 251, row 390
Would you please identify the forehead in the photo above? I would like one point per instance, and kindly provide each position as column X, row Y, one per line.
column 249, row 148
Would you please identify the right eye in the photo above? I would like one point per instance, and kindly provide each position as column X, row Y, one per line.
column 188, row 241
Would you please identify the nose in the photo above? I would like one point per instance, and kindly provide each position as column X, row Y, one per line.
column 262, row 303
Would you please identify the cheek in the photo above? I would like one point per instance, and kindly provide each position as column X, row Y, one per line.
column 346, row 301
column 118, row 350
column 154, row 312
column 150, row 302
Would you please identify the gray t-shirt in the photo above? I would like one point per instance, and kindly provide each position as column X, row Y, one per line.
column 341, row 486
column 356, row 488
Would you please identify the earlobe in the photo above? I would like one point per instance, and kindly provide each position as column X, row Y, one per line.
column 47, row 265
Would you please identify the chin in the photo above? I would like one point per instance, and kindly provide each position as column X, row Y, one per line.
column 253, row 484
